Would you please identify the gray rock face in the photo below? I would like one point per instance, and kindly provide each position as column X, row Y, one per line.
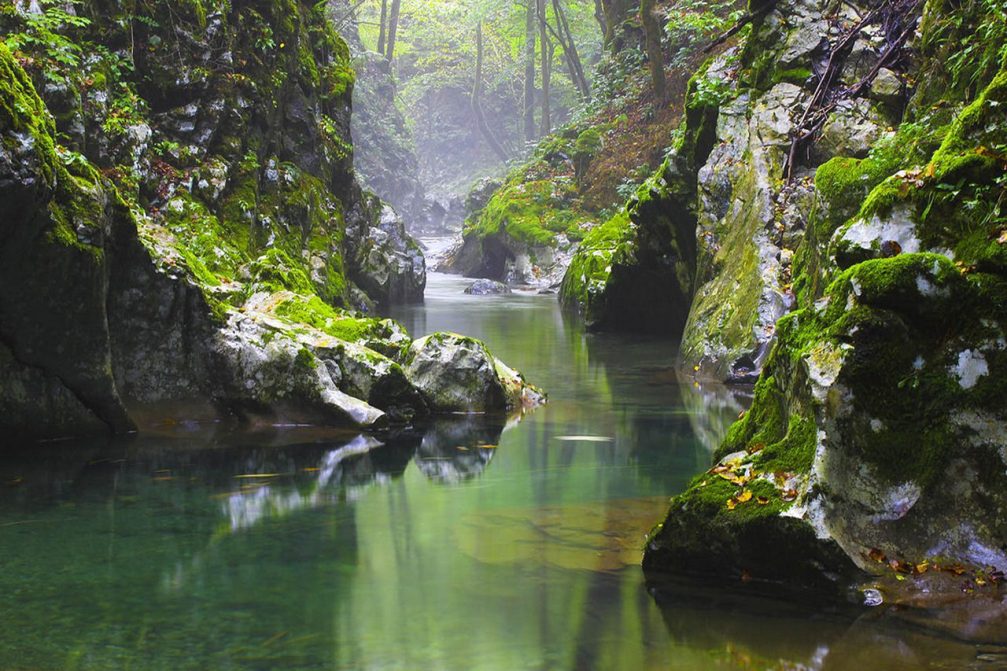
column 390, row 265
column 876, row 438
column 458, row 374
column 887, row 87
column 740, row 279
column 851, row 130
column 487, row 288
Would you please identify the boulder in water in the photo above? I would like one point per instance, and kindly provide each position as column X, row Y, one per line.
column 458, row 374
column 487, row 288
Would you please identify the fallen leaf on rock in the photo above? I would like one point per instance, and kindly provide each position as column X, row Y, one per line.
column 744, row 496
column 900, row 566
column 732, row 503
column 1003, row 238
column 877, row 555
column 789, row 494
column 762, row 500
column 756, row 448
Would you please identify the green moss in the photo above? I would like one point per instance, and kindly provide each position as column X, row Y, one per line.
column 305, row 360
column 22, row 111
column 764, row 424
column 795, row 452
column 309, row 310
column 799, row 76
column 529, row 212
column 276, row 271
column 589, row 271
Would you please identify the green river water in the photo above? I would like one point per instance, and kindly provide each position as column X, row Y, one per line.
column 469, row 545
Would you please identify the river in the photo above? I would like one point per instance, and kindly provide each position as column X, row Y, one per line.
column 470, row 545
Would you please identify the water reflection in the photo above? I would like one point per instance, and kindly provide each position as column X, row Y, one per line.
column 457, row 449
column 462, row 545
column 756, row 632
column 257, row 499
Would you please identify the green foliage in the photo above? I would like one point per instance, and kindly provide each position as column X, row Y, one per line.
column 965, row 43
column 530, row 212
column 691, row 23
column 44, row 38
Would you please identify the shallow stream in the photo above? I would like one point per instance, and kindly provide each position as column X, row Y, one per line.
column 469, row 545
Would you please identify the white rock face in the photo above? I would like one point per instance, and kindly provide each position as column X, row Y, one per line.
column 971, row 366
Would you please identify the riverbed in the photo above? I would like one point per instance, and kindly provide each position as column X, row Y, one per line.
column 467, row 544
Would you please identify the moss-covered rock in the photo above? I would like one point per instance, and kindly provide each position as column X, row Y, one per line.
column 53, row 273
column 876, row 434
column 201, row 238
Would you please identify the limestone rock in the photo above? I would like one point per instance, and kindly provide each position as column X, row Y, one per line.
column 851, row 130
column 487, row 288
column 887, row 87
column 458, row 374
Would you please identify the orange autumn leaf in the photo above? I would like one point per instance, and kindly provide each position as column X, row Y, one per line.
column 877, row 555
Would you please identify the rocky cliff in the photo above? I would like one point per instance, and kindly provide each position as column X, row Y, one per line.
column 181, row 223
column 851, row 247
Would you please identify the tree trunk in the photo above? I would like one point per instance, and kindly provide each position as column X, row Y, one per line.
column 381, row 29
column 599, row 16
column 477, row 90
column 529, row 73
column 655, row 53
column 546, row 46
column 393, row 28
column 565, row 36
column 616, row 12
